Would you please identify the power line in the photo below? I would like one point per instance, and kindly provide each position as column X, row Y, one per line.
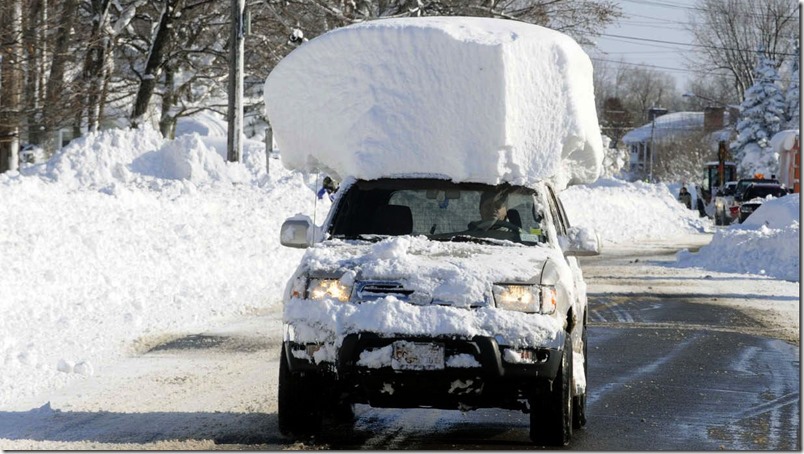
column 686, row 44
column 663, row 4
column 645, row 65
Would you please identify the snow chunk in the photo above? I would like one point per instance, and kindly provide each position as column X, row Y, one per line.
column 462, row 360
column 476, row 99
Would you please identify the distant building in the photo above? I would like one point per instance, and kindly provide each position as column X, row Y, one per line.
column 672, row 128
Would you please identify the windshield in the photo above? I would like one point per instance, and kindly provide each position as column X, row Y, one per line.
column 440, row 210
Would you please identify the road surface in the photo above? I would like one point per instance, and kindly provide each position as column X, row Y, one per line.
column 679, row 359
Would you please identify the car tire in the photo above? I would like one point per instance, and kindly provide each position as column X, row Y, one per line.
column 579, row 401
column 551, row 413
column 342, row 413
column 299, row 402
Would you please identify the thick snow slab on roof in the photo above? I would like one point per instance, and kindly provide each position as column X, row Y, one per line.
column 476, row 99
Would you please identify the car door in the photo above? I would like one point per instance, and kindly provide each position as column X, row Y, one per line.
column 562, row 227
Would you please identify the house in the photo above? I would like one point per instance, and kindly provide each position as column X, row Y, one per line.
column 666, row 129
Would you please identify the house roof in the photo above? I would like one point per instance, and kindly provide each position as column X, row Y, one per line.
column 667, row 126
column 676, row 124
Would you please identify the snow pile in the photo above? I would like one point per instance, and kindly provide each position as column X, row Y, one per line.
column 622, row 212
column 767, row 243
column 138, row 157
column 105, row 252
column 475, row 99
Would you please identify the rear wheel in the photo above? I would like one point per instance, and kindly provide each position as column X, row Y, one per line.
column 299, row 405
column 551, row 418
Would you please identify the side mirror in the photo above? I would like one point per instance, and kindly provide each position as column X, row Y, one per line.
column 295, row 232
column 581, row 242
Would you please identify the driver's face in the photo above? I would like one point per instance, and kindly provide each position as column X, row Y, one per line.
column 491, row 212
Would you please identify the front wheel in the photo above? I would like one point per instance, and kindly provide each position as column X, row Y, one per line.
column 579, row 401
column 551, row 418
column 299, row 405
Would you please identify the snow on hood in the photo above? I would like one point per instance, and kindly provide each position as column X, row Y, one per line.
column 476, row 99
column 454, row 275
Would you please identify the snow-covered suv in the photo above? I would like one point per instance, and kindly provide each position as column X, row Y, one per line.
column 408, row 297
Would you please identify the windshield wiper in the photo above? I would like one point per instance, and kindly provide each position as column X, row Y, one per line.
column 370, row 237
column 469, row 239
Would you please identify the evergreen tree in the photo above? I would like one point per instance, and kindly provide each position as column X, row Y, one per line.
column 762, row 114
column 792, row 97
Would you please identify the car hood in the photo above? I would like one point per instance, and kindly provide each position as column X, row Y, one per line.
column 421, row 271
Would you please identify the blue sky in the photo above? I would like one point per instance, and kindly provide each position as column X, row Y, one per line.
column 650, row 33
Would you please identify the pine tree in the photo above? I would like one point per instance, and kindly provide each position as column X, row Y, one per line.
column 762, row 114
column 793, row 94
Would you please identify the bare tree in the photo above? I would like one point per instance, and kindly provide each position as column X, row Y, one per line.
column 153, row 65
column 35, row 47
column 56, row 97
column 624, row 94
column 682, row 157
column 11, row 79
column 730, row 32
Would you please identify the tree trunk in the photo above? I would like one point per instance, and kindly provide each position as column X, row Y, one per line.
column 34, row 26
column 94, row 74
column 11, row 89
column 153, row 65
column 167, row 122
column 57, row 112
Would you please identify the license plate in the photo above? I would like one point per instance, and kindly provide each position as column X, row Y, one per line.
column 417, row 356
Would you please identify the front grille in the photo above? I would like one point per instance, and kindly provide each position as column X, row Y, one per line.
column 372, row 290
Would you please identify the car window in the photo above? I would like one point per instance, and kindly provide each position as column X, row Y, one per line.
column 438, row 209
column 556, row 211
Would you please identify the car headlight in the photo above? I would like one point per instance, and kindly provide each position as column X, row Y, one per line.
column 525, row 298
column 319, row 289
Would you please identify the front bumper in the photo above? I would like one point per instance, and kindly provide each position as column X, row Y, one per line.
column 493, row 378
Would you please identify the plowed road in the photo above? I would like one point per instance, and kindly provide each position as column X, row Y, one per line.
column 679, row 359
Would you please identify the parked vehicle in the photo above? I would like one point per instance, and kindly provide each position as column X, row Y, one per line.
column 411, row 297
column 744, row 183
column 756, row 194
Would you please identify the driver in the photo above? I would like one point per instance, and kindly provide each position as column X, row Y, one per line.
column 493, row 206
column 493, row 211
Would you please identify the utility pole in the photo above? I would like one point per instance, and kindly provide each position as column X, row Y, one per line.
column 236, row 40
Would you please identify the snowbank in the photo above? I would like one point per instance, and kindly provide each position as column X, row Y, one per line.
column 767, row 243
column 476, row 99
column 124, row 238
column 621, row 211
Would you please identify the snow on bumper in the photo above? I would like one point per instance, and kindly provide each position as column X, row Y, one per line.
column 327, row 323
